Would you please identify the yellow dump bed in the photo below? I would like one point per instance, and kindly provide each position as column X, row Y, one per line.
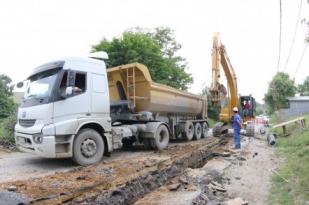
column 133, row 82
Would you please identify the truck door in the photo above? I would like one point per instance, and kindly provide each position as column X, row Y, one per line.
column 69, row 110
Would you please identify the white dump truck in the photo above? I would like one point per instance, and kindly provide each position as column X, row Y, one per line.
column 75, row 107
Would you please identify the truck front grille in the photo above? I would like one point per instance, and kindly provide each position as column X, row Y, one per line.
column 26, row 122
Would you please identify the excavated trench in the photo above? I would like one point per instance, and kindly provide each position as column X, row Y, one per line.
column 119, row 182
column 136, row 188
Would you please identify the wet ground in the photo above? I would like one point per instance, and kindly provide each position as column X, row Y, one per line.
column 208, row 171
column 122, row 168
column 234, row 178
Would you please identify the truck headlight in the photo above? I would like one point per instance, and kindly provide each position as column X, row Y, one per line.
column 48, row 130
column 38, row 138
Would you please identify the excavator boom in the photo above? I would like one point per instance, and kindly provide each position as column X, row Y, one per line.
column 228, row 98
column 217, row 90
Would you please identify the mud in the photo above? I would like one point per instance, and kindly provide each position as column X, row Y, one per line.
column 121, row 181
column 232, row 177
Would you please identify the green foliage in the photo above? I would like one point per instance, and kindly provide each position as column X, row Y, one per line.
column 303, row 88
column 156, row 49
column 259, row 111
column 5, row 85
column 295, row 151
column 7, row 127
column 7, row 105
column 279, row 89
column 211, row 122
column 260, row 108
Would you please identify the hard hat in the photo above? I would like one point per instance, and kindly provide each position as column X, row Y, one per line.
column 235, row 109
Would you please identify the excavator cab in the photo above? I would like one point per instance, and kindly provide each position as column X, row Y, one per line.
column 247, row 108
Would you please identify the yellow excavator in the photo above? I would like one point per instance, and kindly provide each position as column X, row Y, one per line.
column 226, row 99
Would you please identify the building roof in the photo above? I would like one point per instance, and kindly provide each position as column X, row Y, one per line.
column 299, row 98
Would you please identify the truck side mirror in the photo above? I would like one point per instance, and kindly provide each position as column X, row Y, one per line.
column 68, row 91
column 71, row 78
column 20, row 84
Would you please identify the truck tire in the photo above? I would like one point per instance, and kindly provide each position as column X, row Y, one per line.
column 188, row 131
column 197, row 131
column 204, row 129
column 88, row 147
column 162, row 137
column 250, row 130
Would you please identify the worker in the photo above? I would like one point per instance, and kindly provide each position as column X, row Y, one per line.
column 237, row 125
column 247, row 107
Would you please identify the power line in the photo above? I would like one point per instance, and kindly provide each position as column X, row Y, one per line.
column 293, row 40
column 280, row 33
column 301, row 59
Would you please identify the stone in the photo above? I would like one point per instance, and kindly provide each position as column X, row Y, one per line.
column 174, row 187
column 12, row 188
column 183, row 180
column 236, row 201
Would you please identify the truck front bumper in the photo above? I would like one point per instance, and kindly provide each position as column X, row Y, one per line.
column 47, row 148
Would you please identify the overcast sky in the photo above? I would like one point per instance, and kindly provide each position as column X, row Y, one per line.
column 34, row 31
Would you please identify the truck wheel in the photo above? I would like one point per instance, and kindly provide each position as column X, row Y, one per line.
column 204, row 129
column 189, row 131
column 162, row 138
column 88, row 147
column 197, row 131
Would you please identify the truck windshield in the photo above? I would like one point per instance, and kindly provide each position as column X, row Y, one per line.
column 41, row 85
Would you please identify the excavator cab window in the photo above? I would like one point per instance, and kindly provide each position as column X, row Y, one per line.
column 247, row 106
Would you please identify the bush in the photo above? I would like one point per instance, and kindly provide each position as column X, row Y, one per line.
column 7, row 127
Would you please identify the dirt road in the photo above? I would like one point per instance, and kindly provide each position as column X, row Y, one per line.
column 197, row 172
column 18, row 166
column 134, row 173
column 234, row 178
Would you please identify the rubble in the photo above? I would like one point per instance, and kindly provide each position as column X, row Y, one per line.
column 173, row 187
column 236, row 201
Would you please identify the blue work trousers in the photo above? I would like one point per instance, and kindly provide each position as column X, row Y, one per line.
column 237, row 138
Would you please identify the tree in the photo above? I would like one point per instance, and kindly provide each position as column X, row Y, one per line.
column 7, row 105
column 5, row 85
column 303, row 88
column 279, row 89
column 156, row 49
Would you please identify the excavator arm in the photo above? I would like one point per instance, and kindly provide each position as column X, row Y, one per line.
column 217, row 90
column 219, row 94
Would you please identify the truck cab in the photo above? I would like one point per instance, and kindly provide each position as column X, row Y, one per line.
column 62, row 98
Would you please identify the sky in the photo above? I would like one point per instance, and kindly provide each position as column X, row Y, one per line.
column 35, row 31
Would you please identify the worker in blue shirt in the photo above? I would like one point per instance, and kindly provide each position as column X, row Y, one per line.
column 237, row 125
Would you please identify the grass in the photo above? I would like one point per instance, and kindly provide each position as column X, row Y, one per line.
column 295, row 152
column 290, row 128
column 211, row 122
